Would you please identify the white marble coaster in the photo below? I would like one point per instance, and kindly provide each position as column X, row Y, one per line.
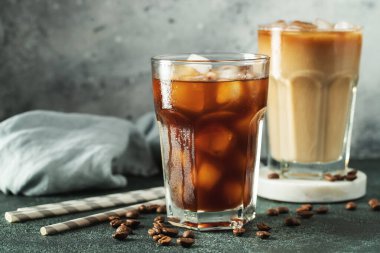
column 309, row 191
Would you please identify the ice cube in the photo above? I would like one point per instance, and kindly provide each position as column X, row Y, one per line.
column 214, row 139
column 279, row 24
column 208, row 175
column 299, row 25
column 228, row 72
column 229, row 92
column 186, row 73
column 343, row 25
column 202, row 68
column 189, row 97
column 323, row 24
column 233, row 193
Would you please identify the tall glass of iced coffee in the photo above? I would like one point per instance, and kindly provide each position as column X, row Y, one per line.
column 209, row 111
column 312, row 89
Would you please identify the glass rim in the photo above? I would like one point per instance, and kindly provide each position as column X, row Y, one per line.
column 268, row 27
column 222, row 58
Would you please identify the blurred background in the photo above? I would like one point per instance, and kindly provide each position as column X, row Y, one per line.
column 93, row 56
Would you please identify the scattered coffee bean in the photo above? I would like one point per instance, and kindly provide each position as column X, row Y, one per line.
column 157, row 237
column 113, row 217
column 307, row 207
column 121, row 233
column 282, row 209
column 321, row 210
column 170, row 231
column 352, row 172
column 115, row 223
column 158, row 225
column 351, row 205
column 273, row 175
column 185, row 242
column 263, row 227
column 142, row 209
column 373, row 201
column 329, row 177
column 164, row 241
column 188, row 234
column 272, row 212
column 152, row 232
column 152, row 208
column 133, row 214
column 132, row 223
column 290, row 221
column 351, row 177
column 305, row 214
column 238, row 231
column 263, row 234
column 339, row 177
column 159, row 219
column 161, row 209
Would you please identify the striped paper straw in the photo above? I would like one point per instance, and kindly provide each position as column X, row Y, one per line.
column 92, row 219
column 87, row 204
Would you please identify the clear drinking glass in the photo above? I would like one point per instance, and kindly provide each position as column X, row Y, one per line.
column 311, row 99
column 210, row 110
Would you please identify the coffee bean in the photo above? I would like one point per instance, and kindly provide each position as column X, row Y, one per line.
column 373, row 201
column 351, row 206
column 273, row 175
column 307, row 207
column 161, row 209
column 305, row 214
column 188, row 234
column 351, row 177
column 282, row 209
column 133, row 214
column 113, row 217
column 142, row 209
column 339, row 177
column 376, row 207
column 263, row 227
column 159, row 219
column 352, row 172
column 115, row 223
column 121, row 233
column 152, row 232
column 272, row 212
column 185, row 242
column 169, row 231
column 152, row 208
column 290, row 221
column 329, row 177
column 132, row 223
column 157, row 230
column 157, row 237
column 238, row 231
column 263, row 234
column 164, row 241
column 321, row 210
column 158, row 225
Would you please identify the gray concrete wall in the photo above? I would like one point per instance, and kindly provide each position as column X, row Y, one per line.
column 93, row 55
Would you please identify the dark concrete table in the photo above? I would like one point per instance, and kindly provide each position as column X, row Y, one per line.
column 338, row 231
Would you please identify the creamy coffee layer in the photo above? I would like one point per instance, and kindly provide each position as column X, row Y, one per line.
column 314, row 72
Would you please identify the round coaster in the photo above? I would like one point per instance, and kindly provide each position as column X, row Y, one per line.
column 309, row 191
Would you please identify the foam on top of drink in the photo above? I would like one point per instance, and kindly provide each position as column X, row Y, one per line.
column 319, row 25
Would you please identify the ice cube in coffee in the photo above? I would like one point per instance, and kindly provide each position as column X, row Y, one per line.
column 314, row 73
column 209, row 119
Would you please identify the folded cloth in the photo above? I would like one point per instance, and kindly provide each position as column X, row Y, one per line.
column 44, row 152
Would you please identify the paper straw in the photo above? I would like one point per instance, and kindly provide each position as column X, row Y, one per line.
column 92, row 219
column 87, row 204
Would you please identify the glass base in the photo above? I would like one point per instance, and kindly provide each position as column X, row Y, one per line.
column 311, row 171
column 206, row 221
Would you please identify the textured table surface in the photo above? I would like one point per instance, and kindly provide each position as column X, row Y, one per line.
column 338, row 231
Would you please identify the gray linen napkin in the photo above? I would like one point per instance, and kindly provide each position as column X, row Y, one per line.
column 45, row 152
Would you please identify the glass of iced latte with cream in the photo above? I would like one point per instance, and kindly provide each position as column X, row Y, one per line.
column 312, row 89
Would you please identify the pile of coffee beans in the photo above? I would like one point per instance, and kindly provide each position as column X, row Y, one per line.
column 350, row 176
